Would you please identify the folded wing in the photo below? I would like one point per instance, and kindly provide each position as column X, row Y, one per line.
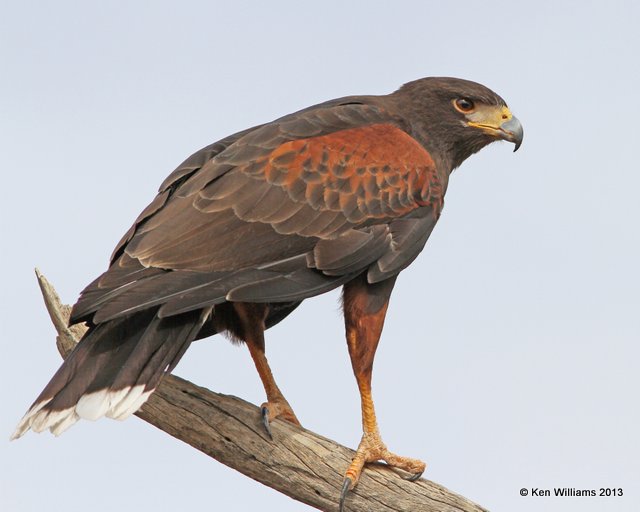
column 281, row 212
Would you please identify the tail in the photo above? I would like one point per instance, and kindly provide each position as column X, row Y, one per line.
column 113, row 370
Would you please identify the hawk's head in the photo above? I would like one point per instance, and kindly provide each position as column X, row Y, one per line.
column 456, row 118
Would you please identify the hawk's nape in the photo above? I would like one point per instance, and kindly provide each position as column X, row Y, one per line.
column 345, row 193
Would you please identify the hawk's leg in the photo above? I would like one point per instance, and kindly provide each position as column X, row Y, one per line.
column 252, row 318
column 365, row 307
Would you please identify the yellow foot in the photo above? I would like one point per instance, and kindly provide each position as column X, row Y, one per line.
column 372, row 449
column 278, row 408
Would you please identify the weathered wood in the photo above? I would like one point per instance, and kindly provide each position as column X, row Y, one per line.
column 299, row 463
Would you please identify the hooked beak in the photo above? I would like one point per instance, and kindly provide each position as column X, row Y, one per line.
column 512, row 131
column 498, row 122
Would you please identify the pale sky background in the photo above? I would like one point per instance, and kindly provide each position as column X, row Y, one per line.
column 510, row 353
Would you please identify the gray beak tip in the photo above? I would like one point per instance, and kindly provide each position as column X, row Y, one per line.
column 513, row 132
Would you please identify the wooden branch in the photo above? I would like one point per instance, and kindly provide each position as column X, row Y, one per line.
column 303, row 465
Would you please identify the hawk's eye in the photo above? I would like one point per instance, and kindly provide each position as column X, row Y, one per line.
column 464, row 105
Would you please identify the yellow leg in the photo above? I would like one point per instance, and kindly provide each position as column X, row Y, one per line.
column 252, row 318
column 365, row 307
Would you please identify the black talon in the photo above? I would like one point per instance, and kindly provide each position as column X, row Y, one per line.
column 415, row 477
column 346, row 486
column 265, row 421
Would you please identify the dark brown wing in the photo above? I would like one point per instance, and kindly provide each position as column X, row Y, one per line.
column 279, row 213
column 187, row 168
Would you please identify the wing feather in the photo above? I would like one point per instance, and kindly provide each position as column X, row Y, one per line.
column 279, row 212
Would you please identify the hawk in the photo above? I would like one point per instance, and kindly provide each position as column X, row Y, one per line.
column 344, row 193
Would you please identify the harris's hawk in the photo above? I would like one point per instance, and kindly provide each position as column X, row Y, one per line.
column 344, row 193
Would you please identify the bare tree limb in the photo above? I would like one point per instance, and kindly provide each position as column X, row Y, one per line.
column 303, row 465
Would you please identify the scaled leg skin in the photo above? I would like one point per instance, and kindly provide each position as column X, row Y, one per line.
column 252, row 318
column 365, row 307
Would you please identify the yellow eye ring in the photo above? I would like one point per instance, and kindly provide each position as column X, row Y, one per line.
column 464, row 105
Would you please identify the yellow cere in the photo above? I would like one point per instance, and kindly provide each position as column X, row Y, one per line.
column 489, row 116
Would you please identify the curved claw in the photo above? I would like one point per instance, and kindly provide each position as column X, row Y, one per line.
column 265, row 421
column 415, row 477
column 346, row 487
